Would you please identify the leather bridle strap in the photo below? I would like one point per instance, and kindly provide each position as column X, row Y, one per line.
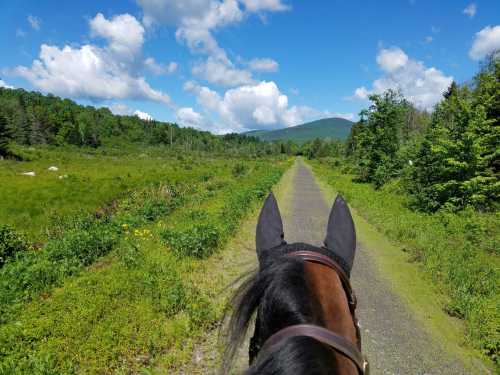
column 337, row 342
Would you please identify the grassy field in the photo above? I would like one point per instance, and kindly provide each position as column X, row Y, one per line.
column 111, row 293
column 457, row 251
column 85, row 181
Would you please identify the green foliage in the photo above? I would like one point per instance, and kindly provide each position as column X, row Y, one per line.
column 200, row 240
column 457, row 164
column 34, row 119
column 11, row 243
column 376, row 140
column 239, row 170
column 137, row 301
column 460, row 251
column 321, row 148
column 5, row 136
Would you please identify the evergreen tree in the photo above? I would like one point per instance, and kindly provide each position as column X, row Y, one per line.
column 5, row 136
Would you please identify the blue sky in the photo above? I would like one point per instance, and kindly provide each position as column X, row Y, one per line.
column 235, row 65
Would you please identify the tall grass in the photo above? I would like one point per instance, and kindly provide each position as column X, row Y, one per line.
column 460, row 251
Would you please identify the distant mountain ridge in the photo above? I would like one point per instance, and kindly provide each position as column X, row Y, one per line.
column 335, row 127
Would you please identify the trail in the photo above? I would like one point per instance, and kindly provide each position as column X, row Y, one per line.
column 393, row 339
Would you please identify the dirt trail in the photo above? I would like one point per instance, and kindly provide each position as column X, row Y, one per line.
column 392, row 338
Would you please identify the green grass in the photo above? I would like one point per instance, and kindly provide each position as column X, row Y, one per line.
column 92, row 179
column 134, row 302
column 457, row 251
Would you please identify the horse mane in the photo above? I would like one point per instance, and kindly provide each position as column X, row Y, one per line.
column 279, row 293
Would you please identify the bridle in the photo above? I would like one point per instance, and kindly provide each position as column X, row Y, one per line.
column 338, row 343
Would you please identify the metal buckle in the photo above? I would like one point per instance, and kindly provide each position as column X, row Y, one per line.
column 366, row 367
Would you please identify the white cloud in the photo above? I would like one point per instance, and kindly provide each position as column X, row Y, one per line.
column 221, row 73
column 257, row 106
column 4, row 85
column 429, row 39
column 93, row 72
column 143, row 115
column 158, row 69
column 264, row 65
column 391, row 59
column 470, row 10
column 361, row 93
column 485, row 42
column 35, row 22
column 265, row 5
column 120, row 109
column 20, row 33
column 196, row 20
column 189, row 117
column 422, row 86
column 125, row 35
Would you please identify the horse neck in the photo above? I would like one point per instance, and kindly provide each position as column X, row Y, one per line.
column 327, row 288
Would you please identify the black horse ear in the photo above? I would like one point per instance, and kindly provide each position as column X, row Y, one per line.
column 341, row 234
column 269, row 227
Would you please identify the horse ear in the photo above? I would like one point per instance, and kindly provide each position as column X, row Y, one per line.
column 341, row 234
column 269, row 232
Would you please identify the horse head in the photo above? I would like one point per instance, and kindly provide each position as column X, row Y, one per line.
column 301, row 296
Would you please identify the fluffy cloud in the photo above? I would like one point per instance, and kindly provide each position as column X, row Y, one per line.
column 143, row 115
column 485, row 42
column 34, row 22
column 125, row 35
column 420, row 85
column 189, row 117
column 196, row 21
column 470, row 10
column 257, row 106
column 391, row 59
column 4, row 85
column 222, row 73
column 264, row 65
column 93, row 72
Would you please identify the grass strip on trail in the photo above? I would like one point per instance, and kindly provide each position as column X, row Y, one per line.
column 137, row 302
column 459, row 251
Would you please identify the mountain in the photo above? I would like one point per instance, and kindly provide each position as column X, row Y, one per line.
column 335, row 127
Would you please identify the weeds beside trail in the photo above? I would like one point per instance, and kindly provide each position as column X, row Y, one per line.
column 79, row 307
column 458, row 251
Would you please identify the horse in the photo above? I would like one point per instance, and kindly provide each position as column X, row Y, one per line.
column 302, row 300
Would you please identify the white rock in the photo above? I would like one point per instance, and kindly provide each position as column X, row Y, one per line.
column 53, row 169
column 63, row 176
column 31, row 174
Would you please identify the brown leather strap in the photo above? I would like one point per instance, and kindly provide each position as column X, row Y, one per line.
column 337, row 342
column 315, row 257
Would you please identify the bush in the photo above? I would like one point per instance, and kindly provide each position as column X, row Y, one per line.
column 200, row 240
column 239, row 170
column 11, row 243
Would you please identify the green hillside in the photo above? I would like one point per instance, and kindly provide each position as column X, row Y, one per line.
column 338, row 128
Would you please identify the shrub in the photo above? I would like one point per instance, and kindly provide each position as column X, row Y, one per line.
column 11, row 243
column 199, row 240
column 239, row 170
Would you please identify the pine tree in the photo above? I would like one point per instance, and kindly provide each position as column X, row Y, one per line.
column 5, row 136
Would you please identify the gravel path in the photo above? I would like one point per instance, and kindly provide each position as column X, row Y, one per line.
column 392, row 338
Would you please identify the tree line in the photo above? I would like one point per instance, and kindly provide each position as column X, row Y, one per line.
column 449, row 158
column 30, row 118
